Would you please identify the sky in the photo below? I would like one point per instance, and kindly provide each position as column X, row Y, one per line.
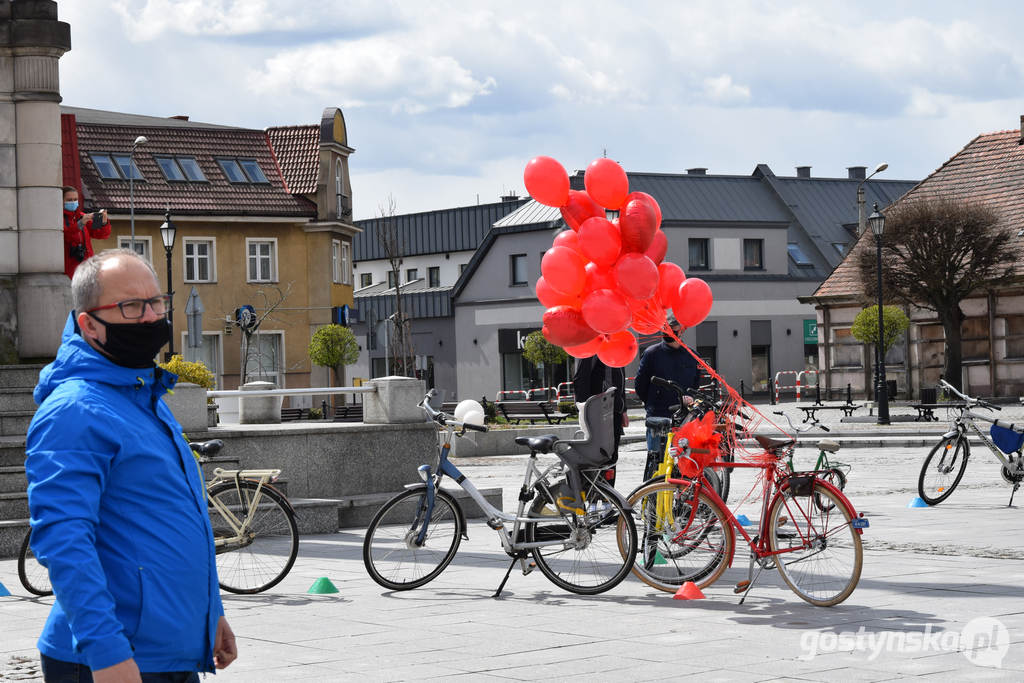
column 446, row 101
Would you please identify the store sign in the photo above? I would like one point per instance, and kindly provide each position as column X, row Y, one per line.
column 810, row 332
column 511, row 341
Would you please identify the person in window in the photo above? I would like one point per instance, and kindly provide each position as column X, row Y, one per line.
column 593, row 377
column 668, row 360
column 79, row 232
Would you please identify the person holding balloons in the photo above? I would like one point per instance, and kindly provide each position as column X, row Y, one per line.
column 669, row 360
column 593, row 377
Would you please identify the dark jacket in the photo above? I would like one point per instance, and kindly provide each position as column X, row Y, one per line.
column 80, row 234
column 660, row 360
column 594, row 377
column 119, row 518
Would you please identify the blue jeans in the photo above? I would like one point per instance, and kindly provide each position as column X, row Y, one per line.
column 59, row 671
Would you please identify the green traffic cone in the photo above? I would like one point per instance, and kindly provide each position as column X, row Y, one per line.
column 659, row 558
column 322, row 586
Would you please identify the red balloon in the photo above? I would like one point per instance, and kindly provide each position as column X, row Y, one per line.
column 585, row 350
column 637, row 276
column 659, row 247
column 649, row 319
column 618, row 350
column 598, row 278
column 564, row 326
column 606, row 311
column 599, row 241
column 670, row 276
column 693, row 303
column 637, row 224
column 606, row 183
column 567, row 238
column 547, row 181
column 580, row 208
column 563, row 268
column 550, row 297
column 654, row 204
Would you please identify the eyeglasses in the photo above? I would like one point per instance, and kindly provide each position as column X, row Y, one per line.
column 133, row 309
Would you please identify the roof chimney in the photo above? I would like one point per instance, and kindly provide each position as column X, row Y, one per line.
column 180, row 117
column 856, row 172
column 512, row 197
column 696, row 171
column 803, row 171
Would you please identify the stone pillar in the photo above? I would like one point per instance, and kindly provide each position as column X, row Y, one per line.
column 395, row 401
column 31, row 232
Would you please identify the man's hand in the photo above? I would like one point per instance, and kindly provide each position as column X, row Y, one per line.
column 625, row 420
column 122, row 672
column 99, row 217
column 224, row 649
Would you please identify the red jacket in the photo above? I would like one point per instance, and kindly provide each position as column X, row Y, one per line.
column 74, row 235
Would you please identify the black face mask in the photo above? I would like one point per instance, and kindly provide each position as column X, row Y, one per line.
column 133, row 345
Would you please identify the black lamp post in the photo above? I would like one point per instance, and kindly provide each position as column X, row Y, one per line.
column 167, row 234
column 877, row 222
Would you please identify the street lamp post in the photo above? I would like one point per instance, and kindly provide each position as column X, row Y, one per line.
column 877, row 222
column 141, row 140
column 167, row 234
column 861, row 224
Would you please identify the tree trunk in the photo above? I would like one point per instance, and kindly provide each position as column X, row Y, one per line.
column 951, row 371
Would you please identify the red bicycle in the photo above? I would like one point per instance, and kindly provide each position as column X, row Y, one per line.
column 808, row 531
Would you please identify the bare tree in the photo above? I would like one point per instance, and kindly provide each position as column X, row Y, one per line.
column 393, row 243
column 250, row 326
column 936, row 252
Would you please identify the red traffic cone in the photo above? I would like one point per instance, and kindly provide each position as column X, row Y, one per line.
column 688, row 591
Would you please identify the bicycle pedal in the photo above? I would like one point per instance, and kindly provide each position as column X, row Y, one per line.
column 741, row 586
column 495, row 524
column 528, row 567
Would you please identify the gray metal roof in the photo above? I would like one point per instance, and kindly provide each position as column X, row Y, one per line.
column 710, row 198
column 432, row 302
column 434, row 232
column 116, row 118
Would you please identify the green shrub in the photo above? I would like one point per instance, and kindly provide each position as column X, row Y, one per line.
column 194, row 372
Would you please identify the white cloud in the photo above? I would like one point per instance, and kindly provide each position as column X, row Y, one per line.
column 722, row 90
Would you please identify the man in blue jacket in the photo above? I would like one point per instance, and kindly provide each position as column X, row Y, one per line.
column 669, row 360
column 117, row 501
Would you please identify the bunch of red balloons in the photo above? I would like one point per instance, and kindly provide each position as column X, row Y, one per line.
column 602, row 278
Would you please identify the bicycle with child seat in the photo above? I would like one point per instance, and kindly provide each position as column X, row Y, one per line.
column 581, row 537
column 946, row 463
column 254, row 530
column 815, row 546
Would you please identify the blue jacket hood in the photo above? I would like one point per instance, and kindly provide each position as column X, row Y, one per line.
column 76, row 359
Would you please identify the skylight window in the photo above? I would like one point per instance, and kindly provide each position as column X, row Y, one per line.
column 798, row 255
column 253, row 170
column 191, row 168
column 123, row 161
column 232, row 170
column 170, row 169
column 105, row 167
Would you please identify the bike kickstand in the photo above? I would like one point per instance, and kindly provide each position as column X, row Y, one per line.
column 1012, row 494
column 515, row 558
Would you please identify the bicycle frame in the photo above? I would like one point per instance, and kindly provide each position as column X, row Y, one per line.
column 239, row 527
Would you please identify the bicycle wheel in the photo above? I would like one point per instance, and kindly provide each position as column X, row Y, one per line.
column 256, row 544
column 677, row 542
column 724, row 473
column 819, row 551
column 834, row 477
column 390, row 553
column 943, row 469
column 34, row 576
column 586, row 554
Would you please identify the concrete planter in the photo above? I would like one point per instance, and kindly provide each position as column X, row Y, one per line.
column 188, row 403
column 259, row 409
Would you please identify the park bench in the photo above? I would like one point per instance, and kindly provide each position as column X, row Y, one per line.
column 292, row 414
column 810, row 412
column 351, row 412
column 532, row 411
column 926, row 411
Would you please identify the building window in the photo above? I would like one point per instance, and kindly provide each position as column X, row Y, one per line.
column 699, row 253
column 847, row 352
column 338, row 185
column 126, row 164
column 143, row 245
column 392, row 279
column 232, row 170
column 365, row 279
column 253, row 171
column 1014, row 336
column 264, row 358
column 974, row 336
column 262, row 258
column 434, row 276
column 191, row 168
column 346, row 263
column 105, row 167
column 798, row 255
column 517, row 270
column 170, row 169
column 412, row 274
column 200, row 259
column 753, row 254
column 208, row 353
column 336, row 261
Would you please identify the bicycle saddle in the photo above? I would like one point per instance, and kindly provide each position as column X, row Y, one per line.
column 206, row 448
column 537, row 444
column 658, row 422
column 828, row 445
column 770, row 444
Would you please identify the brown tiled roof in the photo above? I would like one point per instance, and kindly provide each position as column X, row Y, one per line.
column 298, row 153
column 989, row 170
column 216, row 197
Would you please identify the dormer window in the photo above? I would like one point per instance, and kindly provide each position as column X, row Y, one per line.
column 253, row 171
column 191, row 168
column 242, row 171
column 232, row 170
column 170, row 169
column 116, row 167
column 180, row 169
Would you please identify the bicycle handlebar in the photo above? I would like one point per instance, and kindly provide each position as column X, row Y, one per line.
column 943, row 384
column 794, row 427
column 443, row 418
